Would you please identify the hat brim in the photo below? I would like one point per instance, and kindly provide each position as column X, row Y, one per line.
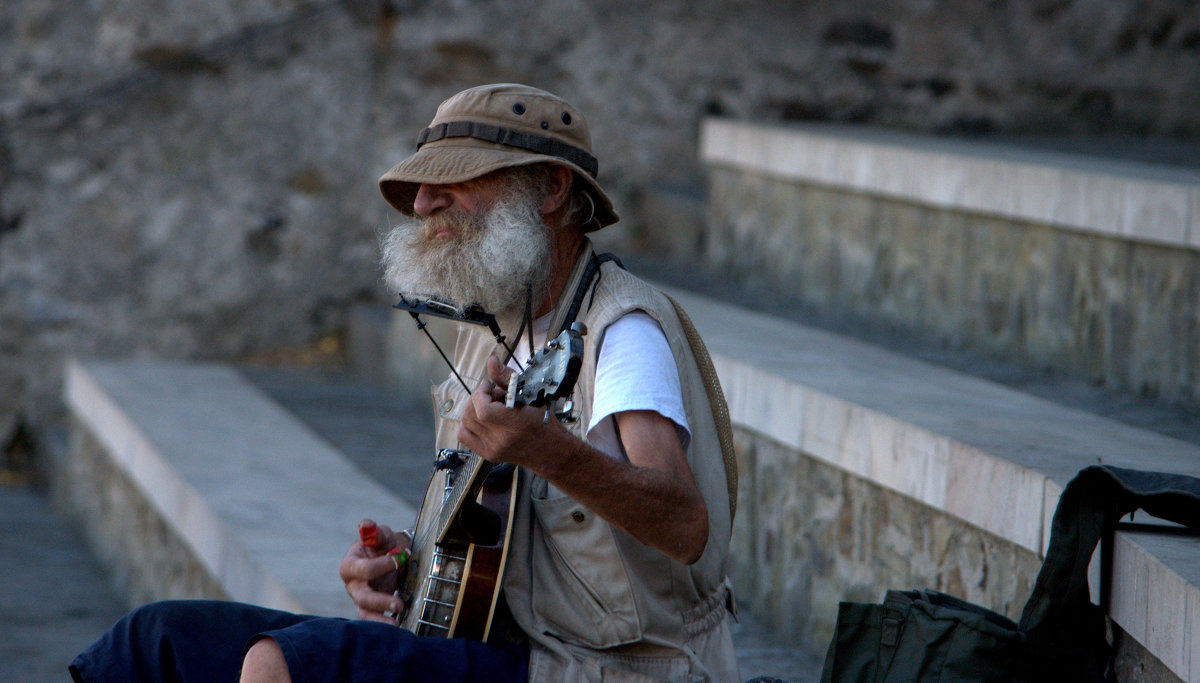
column 445, row 163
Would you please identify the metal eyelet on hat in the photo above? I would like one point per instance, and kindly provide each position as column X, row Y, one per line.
column 518, row 109
column 566, row 118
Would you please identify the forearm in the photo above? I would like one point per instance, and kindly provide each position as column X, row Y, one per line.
column 652, row 497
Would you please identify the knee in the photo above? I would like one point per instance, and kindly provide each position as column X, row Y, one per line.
column 264, row 663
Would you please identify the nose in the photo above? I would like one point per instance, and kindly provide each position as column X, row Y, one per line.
column 430, row 199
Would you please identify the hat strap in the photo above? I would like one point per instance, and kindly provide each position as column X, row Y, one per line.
column 510, row 138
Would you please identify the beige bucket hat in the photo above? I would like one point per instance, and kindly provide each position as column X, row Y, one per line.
column 497, row 126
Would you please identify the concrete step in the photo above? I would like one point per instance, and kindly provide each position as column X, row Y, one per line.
column 55, row 599
column 237, row 466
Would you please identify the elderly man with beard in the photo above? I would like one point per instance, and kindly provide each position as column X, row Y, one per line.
column 616, row 561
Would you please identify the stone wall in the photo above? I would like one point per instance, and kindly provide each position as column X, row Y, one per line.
column 808, row 535
column 190, row 181
column 144, row 557
column 1119, row 313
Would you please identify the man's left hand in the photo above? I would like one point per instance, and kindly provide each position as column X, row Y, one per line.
column 497, row 433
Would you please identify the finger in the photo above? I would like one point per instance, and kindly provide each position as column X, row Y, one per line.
column 467, row 437
column 396, row 539
column 484, row 385
column 388, row 539
column 489, row 392
column 482, row 414
column 375, row 616
column 478, row 405
column 368, row 533
column 468, row 426
column 369, row 600
column 499, row 394
column 498, row 372
column 365, row 568
column 469, row 410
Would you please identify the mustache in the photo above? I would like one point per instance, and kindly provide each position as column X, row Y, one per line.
column 465, row 231
column 460, row 224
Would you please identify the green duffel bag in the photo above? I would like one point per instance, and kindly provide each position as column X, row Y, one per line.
column 921, row 635
column 1062, row 636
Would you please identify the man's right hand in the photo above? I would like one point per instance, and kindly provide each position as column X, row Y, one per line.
column 370, row 576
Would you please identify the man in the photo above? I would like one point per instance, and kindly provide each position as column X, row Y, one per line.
column 616, row 561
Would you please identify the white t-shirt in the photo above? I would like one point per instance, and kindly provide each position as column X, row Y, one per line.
column 635, row 371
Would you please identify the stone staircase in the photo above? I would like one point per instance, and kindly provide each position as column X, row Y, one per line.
column 259, row 476
column 233, row 467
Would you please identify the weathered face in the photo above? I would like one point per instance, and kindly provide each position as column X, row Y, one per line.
column 481, row 242
column 470, row 196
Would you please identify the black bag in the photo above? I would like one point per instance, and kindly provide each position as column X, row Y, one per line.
column 930, row 636
column 920, row 635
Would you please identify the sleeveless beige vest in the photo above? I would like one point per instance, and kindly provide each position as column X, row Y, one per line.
column 596, row 604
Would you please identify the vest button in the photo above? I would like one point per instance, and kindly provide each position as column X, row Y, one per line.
column 578, row 516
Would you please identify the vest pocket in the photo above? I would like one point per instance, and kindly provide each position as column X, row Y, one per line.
column 449, row 399
column 449, row 402
column 583, row 592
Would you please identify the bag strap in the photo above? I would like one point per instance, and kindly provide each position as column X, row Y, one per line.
column 716, row 401
column 1090, row 507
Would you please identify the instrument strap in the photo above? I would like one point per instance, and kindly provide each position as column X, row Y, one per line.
column 592, row 270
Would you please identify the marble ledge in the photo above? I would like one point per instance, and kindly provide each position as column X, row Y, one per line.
column 238, row 477
column 990, row 454
column 1156, row 596
column 1112, row 197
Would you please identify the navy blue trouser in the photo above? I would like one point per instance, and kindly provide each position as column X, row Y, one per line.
column 202, row 640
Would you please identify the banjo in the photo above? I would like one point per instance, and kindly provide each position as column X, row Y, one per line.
column 451, row 582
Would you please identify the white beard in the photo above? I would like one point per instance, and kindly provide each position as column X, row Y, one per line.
column 494, row 259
